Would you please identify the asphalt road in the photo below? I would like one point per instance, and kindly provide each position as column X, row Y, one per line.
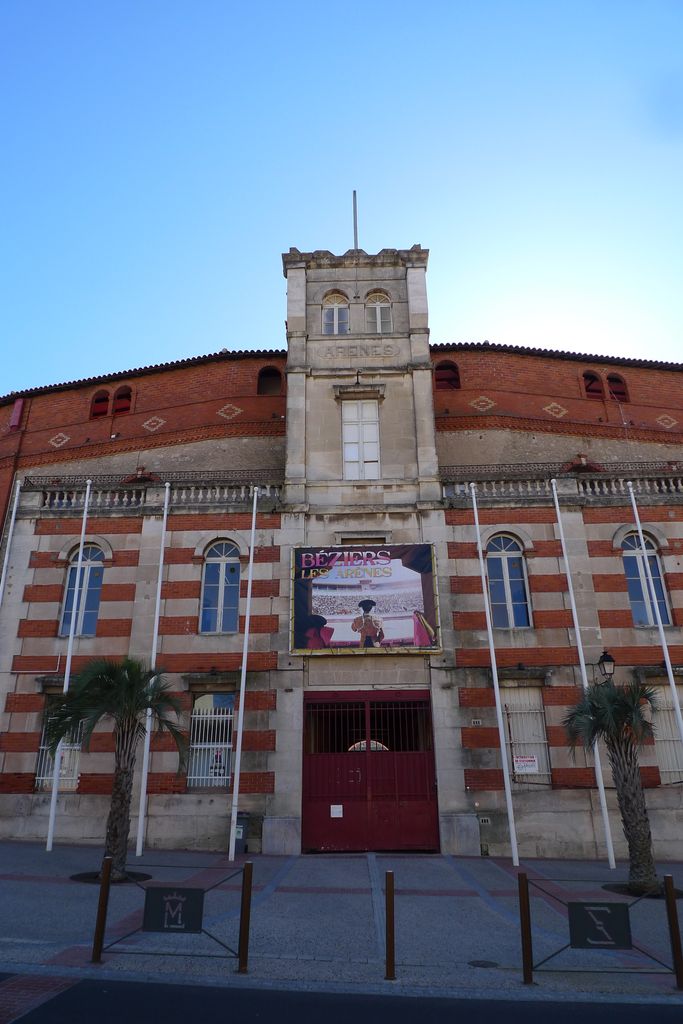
column 138, row 1003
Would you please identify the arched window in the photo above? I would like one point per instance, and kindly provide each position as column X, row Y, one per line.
column 378, row 313
column 446, row 377
column 616, row 387
column 99, row 405
column 508, row 590
column 221, row 589
column 592, row 385
column 642, row 606
column 269, row 381
column 123, row 399
column 90, row 585
column 335, row 314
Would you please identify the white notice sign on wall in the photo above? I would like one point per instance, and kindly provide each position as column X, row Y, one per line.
column 525, row 764
column 336, row 810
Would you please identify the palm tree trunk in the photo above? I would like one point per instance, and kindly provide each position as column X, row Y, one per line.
column 623, row 757
column 118, row 822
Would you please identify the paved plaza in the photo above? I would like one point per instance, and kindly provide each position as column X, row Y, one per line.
column 318, row 923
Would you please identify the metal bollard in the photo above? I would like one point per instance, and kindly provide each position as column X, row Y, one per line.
column 101, row 922
column 674, row 929
column 390, row 930
column 525, row 927
column 245, row 915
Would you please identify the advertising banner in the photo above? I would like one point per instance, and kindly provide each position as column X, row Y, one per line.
column 364, row 600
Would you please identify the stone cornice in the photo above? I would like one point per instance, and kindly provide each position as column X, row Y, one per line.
column 323, row 259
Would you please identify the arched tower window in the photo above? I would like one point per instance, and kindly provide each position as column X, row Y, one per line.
column 616, row 386
column 99, row 405
column 446, row 377
column 378, row 313
column 89, row 586
column 592, row 385
column 269, row 381
column 642, row 605
column 220, row 589
column 123, row 399
column 335, row 314
column 508, row 589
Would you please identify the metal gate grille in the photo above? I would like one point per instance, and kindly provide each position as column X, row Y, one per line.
column 527, row 746
column 334, row 728
column 667, row 737
column 210, row 754
column 369, row 777
column 68, row 769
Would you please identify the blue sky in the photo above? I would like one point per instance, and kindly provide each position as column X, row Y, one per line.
column 159, row 155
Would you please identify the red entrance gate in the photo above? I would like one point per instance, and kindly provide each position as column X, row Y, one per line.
column 368, row 779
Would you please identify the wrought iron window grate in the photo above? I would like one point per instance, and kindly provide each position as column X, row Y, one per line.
column 210, row 753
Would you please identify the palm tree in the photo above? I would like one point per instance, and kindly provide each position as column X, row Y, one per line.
column 617, row 714
column 122, row 691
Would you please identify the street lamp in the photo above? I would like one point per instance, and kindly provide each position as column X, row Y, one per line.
column 606, row 664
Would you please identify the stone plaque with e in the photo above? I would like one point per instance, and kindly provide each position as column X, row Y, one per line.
column 599, row 926
column 173, row 910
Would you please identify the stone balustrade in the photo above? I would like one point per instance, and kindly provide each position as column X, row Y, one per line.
column 109, row 495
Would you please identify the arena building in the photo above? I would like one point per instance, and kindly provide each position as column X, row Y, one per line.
column 370, row 715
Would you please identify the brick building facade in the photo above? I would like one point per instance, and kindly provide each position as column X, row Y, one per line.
column 361, row 438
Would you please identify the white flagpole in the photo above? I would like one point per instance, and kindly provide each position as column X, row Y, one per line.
column 152, row 662
column 584, row 680
column 496, row 687
column 655, row 607
column 75, row 608
column 243, row 687
column 10, row 534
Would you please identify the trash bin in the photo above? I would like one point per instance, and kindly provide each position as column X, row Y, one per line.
column 241, row 832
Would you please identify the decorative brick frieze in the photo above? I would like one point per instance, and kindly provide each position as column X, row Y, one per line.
column 99, row 783
column 20, row 742
column 500, row 516
column 48, row 593
column 123, row 559
column 179, row 556
column 257, row 661
column 267, row 554
column 469, row 620
column 609, row 583
column 465, row 584
column 560, row 618
column 181, row 589
column 480, row 738
column 178, row 625
column 25, row 703
column 166, row 782
column 114, row 627
column 117, row 592
column 624, row 514
column 556, row 735
column 103, row 527
column 38, row 627
column 476, row 697
column 573, row 778
column 255, row 739
column 547, row 583
column 17, row 782
column 510, row 656
column 222, row 522
column 561, row 696
column 615, row 618
column 44, row 560
column 257, row 782
column 460, row 549
column 484, row 779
